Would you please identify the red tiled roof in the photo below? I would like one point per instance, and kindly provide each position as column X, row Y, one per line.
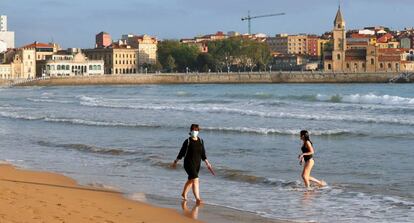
column 359, row 36
column 384, row 38
column 38, row 45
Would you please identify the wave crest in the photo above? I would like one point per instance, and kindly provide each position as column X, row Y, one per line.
column 366, row 99
column 89, row 148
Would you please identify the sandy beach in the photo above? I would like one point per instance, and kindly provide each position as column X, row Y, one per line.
column 29, row 196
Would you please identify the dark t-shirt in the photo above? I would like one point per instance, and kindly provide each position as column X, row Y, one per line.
column 195, row 153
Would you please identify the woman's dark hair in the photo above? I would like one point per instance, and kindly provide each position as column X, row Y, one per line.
column 305, row 135
column 195, row 127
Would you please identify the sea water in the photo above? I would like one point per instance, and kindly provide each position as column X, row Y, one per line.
column 126, row 137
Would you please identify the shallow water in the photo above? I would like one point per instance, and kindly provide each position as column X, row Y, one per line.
column 126, row 137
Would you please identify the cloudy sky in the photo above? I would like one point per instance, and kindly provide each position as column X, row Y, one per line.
column 74, row 23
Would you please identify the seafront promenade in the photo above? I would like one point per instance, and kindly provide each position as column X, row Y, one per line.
column 215, row 78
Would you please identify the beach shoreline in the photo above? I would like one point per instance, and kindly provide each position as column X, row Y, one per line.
column 33, row 196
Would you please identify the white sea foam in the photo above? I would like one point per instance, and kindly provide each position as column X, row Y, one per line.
column 367, row 99
column 247, row 112
column 138, row 197
column 49, row 100
column 268, row 131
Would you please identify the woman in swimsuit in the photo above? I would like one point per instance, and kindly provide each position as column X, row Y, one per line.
column 193, row 152
column 307, row 158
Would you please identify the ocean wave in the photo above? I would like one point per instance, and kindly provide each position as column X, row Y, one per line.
column 94, row 102
column 236, row 175
column 257, row 95
column 99, row 123
column 366, row 99
column 230, row 174
column 270, row 131
column 15, row 115
column 76, row 121
column 89, row 148
column 49, row 100
column 244, row 176
column 183, row 94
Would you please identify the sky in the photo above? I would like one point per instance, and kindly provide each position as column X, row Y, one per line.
column 74, row 23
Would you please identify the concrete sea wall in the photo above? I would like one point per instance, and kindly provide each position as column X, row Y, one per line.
column 213, row 78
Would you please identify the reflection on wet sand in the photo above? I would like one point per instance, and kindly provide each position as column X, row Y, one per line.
column 191, row 213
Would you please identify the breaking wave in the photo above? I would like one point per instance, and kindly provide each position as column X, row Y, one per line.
column 270, row 131
column 76, row 121
column 50, row 101
column 89, row 148
column 367, row 99
column 94, row 102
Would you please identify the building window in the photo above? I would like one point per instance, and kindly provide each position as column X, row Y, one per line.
column 381, row 65
column 67, row 67
column 329, row 66
column 389, row 65
column 372, row 61
column 347, row 65
column 338, row 56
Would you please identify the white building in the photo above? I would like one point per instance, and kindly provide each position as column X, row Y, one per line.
column 366, row 32
column 3, row 46
column 72, row 65
column 3, row 23
column 5, row 35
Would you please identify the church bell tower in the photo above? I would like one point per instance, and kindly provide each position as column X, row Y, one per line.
column 339, row 42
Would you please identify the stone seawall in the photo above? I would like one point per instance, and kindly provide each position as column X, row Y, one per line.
column 222, row 78
column 4, row 82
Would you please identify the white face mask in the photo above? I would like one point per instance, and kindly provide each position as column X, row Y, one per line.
column 194, row 134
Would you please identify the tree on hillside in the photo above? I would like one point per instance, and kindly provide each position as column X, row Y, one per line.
column 206, row 63
column 240, row 53
column 170, row 64
column 186, row 57
column 165, row 49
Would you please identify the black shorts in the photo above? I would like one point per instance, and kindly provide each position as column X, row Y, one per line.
column 192, row 172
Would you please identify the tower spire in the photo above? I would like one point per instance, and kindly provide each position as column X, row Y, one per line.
column 338, row 18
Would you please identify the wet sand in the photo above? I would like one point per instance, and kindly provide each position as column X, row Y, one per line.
column 30, row 196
